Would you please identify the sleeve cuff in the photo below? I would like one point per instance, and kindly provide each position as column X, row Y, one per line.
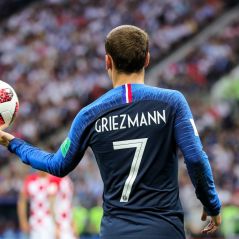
column 14, row 144
column 214, row 212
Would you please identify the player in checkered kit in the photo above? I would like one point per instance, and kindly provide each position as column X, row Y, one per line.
column 50, row 207
column 63, row 208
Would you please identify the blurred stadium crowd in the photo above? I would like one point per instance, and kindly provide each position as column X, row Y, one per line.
column 57, row 48
column 53, row 55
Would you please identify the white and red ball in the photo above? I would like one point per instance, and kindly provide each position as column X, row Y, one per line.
column 9, row 105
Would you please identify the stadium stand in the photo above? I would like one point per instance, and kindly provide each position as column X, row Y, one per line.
column 9, row 7
column 53, row 53
column 57, row 48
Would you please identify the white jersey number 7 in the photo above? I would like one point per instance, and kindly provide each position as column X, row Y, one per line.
column 139, row 144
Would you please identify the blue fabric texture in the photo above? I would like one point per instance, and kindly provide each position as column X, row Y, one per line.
column 55, row 163
column 195, row 158
column 189, row 143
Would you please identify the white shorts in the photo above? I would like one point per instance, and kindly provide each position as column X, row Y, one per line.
column 43, row 232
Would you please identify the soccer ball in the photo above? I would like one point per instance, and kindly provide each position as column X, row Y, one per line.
column 9, row 105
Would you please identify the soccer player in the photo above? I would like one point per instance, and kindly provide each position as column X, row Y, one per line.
column 39, row 189
column 50, row 201
column 134, row 131
column 63, row 208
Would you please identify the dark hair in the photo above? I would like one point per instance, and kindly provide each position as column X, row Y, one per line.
column 128, row 46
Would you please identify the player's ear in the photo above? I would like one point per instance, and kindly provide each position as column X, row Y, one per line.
column 108, row 62
column 147, row 59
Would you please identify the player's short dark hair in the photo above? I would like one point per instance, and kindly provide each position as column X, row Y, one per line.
column 128, row 46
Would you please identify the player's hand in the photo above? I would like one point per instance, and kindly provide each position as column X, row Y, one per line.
column 214, row 223
column 5, row 138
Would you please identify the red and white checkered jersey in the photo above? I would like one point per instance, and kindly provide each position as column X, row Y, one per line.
column 39, row 190
column 63, row 207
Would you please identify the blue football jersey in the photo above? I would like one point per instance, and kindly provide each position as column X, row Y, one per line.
column 134, row 131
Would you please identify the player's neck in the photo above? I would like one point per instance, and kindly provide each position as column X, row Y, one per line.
column 122, row 78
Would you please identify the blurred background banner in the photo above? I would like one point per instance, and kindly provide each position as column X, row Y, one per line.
column 9, row 7
column 52, row 53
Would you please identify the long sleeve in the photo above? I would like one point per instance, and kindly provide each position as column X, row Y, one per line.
column 196, row 160
column 67, row 156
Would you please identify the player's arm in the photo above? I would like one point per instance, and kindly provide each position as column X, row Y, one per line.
column 64, row 160
column 22, row 211
column 196, row 160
